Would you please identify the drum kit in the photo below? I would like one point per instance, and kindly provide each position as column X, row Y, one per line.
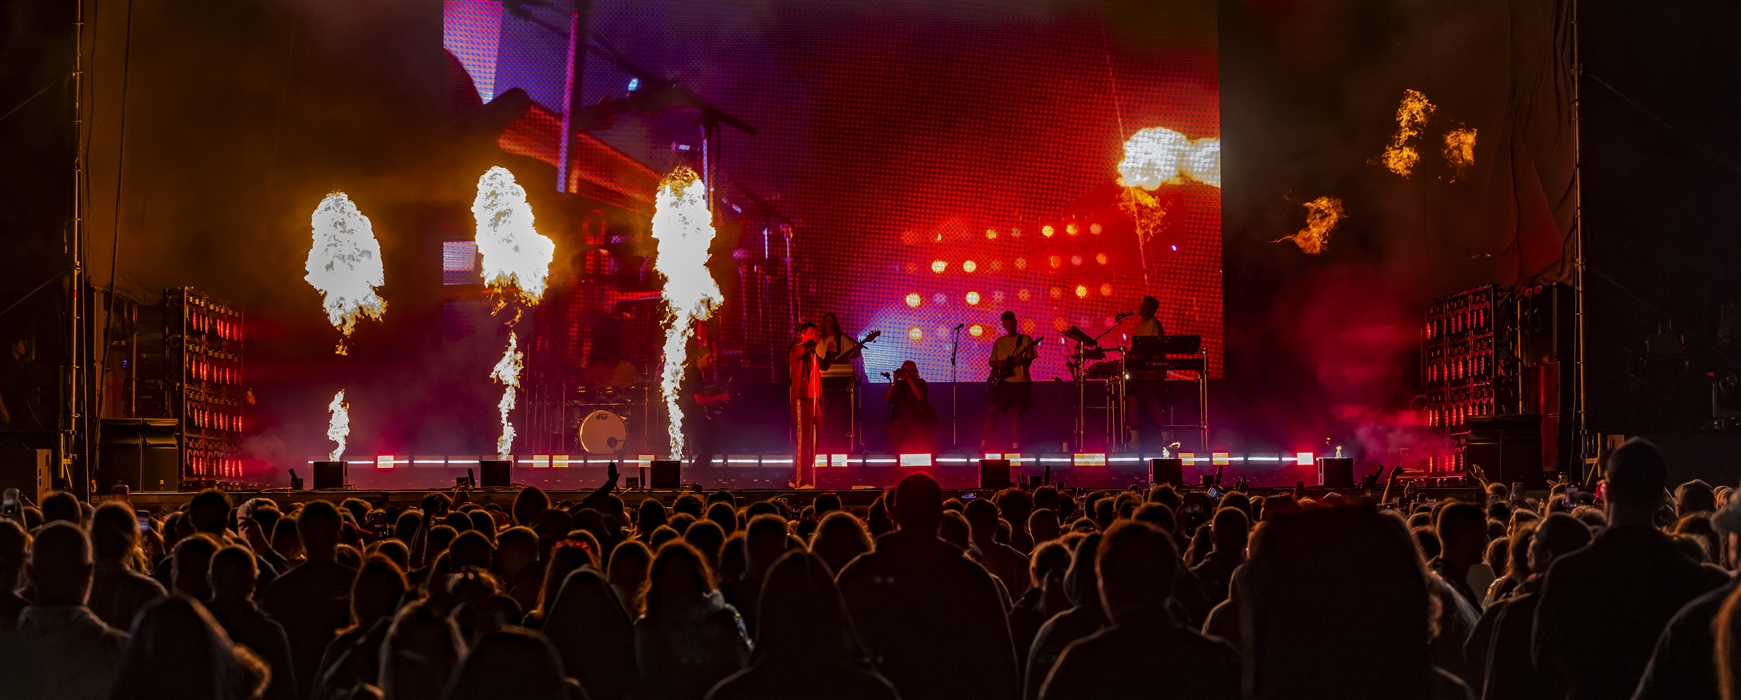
column 607, row 414
column 1148, row 358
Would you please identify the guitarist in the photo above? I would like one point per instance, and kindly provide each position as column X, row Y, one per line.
column 839, row 385
column 1014, row 394
column 707, row 399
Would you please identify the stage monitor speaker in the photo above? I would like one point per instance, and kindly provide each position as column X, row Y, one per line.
column 329, row 475
column 994, row 473
column 139, row 452
column 1506, row 449
column 26, row 470
column 667, row 474
column 1336, row 472
column 1167, row 471
column 495, row 473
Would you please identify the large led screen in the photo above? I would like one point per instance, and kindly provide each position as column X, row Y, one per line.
column 941, row 162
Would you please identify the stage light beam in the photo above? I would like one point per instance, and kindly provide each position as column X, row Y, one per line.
column 683, row 229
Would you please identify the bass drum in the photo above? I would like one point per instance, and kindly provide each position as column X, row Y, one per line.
column 603, row 433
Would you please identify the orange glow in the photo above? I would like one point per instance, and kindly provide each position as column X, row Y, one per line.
column 969, row 266
column 1057, row 292
column 1100, row 258
column 1021, row 263
column 913, row 300
column 915, row 333
column 991, row 234
column 1072, row 230
column 1023, row 295
column 1081, row 291
column 1459, row 150
column 1105, row 290
column 1075, row 260
column 1094, row 229
column 973, row 298
column 976, row 330
column 1047, row 231
column 1055, row 261
column 938, row 266
column 997, row 266
column 1059, row 324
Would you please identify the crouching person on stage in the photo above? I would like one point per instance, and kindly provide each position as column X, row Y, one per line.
column 912, row 420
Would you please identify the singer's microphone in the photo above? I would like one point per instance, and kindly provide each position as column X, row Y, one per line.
column 886, row 376
column 959, row 325
column 1125, row 315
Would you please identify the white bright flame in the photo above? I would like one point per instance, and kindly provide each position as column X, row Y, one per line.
column 515, row 255
column 1157, row 156
column 683, row 227
column 345, row 264
column 339, row 427
column 507, row 372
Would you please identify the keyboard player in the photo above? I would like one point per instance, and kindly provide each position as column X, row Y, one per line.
column 1147, row 387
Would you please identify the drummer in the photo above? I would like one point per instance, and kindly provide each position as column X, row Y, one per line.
column 609, row 372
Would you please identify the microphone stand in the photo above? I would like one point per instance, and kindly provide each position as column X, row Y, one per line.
column 954, row 388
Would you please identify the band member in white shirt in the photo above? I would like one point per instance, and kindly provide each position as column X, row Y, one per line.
column 1010, row 357
column 806, row 367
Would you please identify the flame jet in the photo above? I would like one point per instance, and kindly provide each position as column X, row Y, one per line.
column 345, row 264
column 1411, row 119
column 339, row 427
column 516, row 265
column 683, row 227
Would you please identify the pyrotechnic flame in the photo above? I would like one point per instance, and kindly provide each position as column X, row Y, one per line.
column 1145, row 209
column 515, row 256
column 507, row 372
column 345, row 264
column 683, row 227
column 1459, row 150
column 1321, row 217
column 1411, row 118
column 1157, row 156
column 339, row 427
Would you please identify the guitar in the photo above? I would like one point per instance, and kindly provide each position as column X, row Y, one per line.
column 1007, row 368
column 857, row 349
column 716, row 396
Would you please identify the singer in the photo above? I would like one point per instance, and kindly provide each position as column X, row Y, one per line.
column 1147, row 387
column 911, row 417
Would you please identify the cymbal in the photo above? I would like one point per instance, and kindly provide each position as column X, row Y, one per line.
column 1077, row 335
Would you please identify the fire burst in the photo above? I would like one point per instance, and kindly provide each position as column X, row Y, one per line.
column 345, row 264
column 1459, row 150
column 507, row 372
column 683, row 227
column 1321, row 217
column 1157, row 156
column 516, row 256
column 339, row 427
column 1411, row 118
column 516, row 262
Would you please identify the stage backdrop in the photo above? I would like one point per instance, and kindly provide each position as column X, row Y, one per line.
column 941, row 161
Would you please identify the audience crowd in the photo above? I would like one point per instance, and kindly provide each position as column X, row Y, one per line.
column 1623, row 591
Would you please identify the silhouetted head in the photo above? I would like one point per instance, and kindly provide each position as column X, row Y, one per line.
column 678, row 577
column 1228, row 530
column 510, row 663
column 1636, row 473
column 114, row 532
column 60, row 564
column 516, row 549
column 628, row 565
column 471, row 548
column 210, row 511
column 918, row 505
column 530, row 503
column 419, row 654
column 707, row 538
column 1557, row 535
column 178, row 651
column 62, row 506
column 839, row 539
column 1148, row 307
column 1462, row 531
column 802, row 618
column 318, row 527
column 192, row 565
column 764, row 542
column 376, row 593
column 1136, row 563
column 232, row 574
column 650, row 516
column 1695, row 496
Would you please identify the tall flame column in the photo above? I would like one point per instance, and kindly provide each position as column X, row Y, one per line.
column 516, row 264
column 344, row 265
column 683, row 227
